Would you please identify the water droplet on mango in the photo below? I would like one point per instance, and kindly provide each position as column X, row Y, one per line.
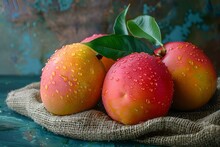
column 64, row 67
column 53, row 73
column 70, row 83
column 46, row 86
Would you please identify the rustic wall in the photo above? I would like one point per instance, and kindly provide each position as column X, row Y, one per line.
column 32, row 29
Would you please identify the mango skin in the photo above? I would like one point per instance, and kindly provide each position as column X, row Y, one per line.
column 137, row 88
column 72, row 80
column 106, row 61
column 194, row 76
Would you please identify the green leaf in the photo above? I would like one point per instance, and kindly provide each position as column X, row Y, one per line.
column 145, row 27
column 117, row 46
column 120, row 23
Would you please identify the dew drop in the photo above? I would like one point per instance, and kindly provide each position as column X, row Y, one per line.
column 180, row 47
column 117, row 79
column 135, row 80
column 64, row 78
column 139, row 68
column 85, row 87
column 151, row 90
column 179, row 58
column 140, row 83
column 67, row 95
column 147, row 101
column 129, row 77
column 191, row 62
column 64, row 67
column 134, row 69
column 111, row 78
column 57, row 91
column 143, row 88
column 70, row 83
column 57, row 67
column 75, row 91
column 53, row 82
column 119, row 64
column 46, row 86
column 183, row 74
column 79, row 73
column 53, row 73
column 106, row 91
column 124, row 61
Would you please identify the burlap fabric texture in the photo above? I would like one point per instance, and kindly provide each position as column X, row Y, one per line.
column 197, row 128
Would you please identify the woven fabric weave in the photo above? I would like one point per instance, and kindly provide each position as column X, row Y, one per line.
column 196, row 128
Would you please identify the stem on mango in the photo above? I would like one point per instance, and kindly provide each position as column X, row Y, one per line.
column 161, row 53
column 99, row 56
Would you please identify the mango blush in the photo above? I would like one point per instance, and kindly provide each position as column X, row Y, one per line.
column 72, row 79
column 193, row 73
column 136, row 88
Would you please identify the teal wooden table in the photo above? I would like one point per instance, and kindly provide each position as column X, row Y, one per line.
column 18, row 130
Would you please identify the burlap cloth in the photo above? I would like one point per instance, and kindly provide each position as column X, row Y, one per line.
column 197, row 128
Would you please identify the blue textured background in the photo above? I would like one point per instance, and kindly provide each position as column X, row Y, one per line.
column 32, row 30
